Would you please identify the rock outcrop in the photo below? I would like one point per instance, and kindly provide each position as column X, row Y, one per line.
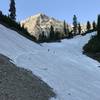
column 41, row 23
column 19, row 84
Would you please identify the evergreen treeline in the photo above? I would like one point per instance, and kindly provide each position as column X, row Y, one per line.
column 93, row 45
column 92, row 48
column 10, row 21
column 68, row 33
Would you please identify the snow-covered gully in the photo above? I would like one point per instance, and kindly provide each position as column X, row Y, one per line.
column 72, row 75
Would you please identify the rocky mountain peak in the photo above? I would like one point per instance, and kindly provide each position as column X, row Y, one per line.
column 41, row 23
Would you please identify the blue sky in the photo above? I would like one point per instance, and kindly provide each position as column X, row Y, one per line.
column 60, row 9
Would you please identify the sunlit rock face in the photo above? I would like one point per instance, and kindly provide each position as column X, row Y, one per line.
column 41, row 23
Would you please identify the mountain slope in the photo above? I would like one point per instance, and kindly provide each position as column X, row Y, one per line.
column 73, row 75
column 19, row 84
column 41, row 23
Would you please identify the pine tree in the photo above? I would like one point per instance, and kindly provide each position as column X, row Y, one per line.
column 0, row 12
column 52, row 33
column 79, row 28
column 88, row 26
column 57, row 35
column 94, row 25
column 98, row 26
column 65, row 30
column 70, row 35
column 44, row 38
column 75, row 24
column 12, row 10
column 40, row 38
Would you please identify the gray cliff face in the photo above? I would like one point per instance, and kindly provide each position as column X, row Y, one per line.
column 41, row 23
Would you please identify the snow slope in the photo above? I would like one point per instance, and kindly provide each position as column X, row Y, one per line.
column 73, row 75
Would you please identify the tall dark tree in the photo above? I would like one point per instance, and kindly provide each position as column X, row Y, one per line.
column 75, row 24
column 52, row 33
column 12, row 10
column 94, row 25
column 79, row 28
column 65, row 30
column 70, row 35
column 88, row 26
column 57, row 35
column 98, row 26
column 0, row 12
column 42, row 37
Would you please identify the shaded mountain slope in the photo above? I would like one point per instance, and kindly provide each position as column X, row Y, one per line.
column 19, row 84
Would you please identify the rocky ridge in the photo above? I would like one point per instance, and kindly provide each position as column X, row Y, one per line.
column 41, row 23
